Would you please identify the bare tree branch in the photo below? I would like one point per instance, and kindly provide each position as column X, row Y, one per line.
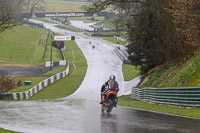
column 6, row 15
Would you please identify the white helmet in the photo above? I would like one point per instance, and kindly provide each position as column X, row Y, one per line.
column 112, row 77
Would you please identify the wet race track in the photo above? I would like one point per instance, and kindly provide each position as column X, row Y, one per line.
column 85, row 116
column 81, row 112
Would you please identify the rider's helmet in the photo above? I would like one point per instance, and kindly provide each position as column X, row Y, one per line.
column 112, row 77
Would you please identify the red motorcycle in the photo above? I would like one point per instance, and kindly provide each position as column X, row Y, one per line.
column 110, row 101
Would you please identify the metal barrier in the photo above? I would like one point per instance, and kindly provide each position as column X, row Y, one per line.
column 72, row 27
column 186, row 96
column 122, row 55
column 121, row 39
column 32, row 23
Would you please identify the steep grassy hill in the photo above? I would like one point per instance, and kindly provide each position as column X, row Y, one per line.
column 21, row 45
column 63, row 6
column 186, row 74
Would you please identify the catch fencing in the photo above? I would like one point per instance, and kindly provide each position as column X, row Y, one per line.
column 185, row 96
column 35, row 89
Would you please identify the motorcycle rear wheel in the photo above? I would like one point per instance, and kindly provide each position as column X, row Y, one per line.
column 110, row 105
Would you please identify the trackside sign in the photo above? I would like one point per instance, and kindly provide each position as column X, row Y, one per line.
column 63, row 38
column 64, row 14
column 58, row 44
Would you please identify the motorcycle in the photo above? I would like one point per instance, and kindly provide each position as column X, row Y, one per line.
column 110, row 101
column 93, row 46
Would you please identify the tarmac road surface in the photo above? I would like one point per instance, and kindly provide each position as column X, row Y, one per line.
column 81, row 112
column 81, row 24
column 21, row 71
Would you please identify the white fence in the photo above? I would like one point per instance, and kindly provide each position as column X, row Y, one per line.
column 57, row 63
column 40, row 86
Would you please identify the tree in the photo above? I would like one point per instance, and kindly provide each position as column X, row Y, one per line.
column 186, row 17
column 17, row 6
column 160, row 31
column 141, row 18
column 10, row 12
column 32, row 5
column 7, row 20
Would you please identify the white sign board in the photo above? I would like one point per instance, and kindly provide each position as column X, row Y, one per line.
column 64, row 14
column 62, row 38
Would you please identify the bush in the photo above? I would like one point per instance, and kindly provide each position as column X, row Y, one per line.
column 6, row 84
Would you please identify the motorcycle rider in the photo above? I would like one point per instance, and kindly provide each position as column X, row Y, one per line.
column 110, row 84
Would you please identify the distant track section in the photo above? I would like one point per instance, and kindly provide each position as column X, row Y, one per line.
column 78, row 0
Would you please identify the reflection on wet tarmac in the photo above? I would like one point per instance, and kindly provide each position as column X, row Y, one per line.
column 85, row 116
column 109, row 122
column 134, row 121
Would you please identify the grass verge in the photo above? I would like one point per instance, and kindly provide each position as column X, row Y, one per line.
column 34, row 81
column 64, row 6
column 24, row 47
column 130, row 72
column 113, row 40
column 69, row 85
column 6, row 131
column 55, row 71
column 181, row 111
column 108, row 23
column 175, row 75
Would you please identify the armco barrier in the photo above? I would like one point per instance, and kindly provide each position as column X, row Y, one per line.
column 32, row 23
column 185, row 96
column 72, row 27
column 121, row 39
column 123, row 55
column 35, row 89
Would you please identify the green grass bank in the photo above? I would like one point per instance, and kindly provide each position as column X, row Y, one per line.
column 21, row 46
column 186, row 74
column 130, row 72
column 6, row 131
column 65, row 86
column 127, row 101
column 69, row 85
column 64, row 6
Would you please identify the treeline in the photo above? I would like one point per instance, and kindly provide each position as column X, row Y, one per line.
column 10, row 11
column 164, row 31
column 160, row 31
